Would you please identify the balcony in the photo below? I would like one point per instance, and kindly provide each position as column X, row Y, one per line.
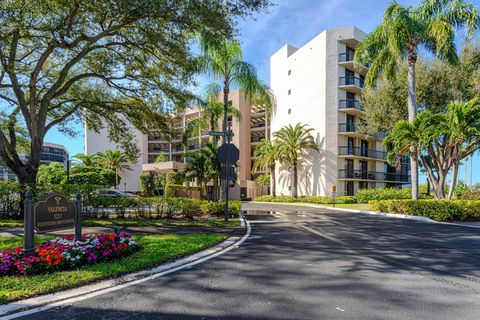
column 351, row 84
column 350, row 106
column 362, row 153
column 346, row 174
column 346, row 60
column 348, row 127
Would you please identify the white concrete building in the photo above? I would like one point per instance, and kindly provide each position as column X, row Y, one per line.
column 319, row 85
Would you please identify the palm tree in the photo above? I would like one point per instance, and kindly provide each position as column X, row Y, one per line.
column 88, row 160
column 115, row 160
column 397, row 39
column 293, row 144
column 266, row 155
column 222, row 59
column 463, row 125
column 213, row 166
column 211, row 111
column 197, row 167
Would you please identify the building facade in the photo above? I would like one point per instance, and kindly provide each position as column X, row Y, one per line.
column 51, row 152
column 248, row 131
column 319, row 85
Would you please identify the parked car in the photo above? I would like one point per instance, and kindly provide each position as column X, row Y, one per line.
column 115, row 193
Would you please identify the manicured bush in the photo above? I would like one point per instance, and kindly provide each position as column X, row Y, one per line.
column 469, row 196
column 65, row 253
column 307, row 199
column 366, row 195
column 190, row 207
column 439, row 210
column 171, row 188
column 147, row 183
column 218, row 208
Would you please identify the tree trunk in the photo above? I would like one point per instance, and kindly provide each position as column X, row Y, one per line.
column 412, row 112
column 453, row 181
column 295, row 180
column 273, row 188
column 226, row 91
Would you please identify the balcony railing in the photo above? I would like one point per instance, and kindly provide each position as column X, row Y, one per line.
column 362, row 152
column 346, row 57
column 373, row 176
column 347, row 127
column 352, row 81
column 350, row 104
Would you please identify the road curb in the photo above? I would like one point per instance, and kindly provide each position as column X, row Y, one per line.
column 374, row 213
column 41, row 303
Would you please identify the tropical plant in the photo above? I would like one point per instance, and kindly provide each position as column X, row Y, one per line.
column 197, row 167
column 266, row 155
column 88, row 160
column 54, row 173
column 293, row 144
column 440, row 140
column 115, row 160
column 222, row 59
column 398, row 38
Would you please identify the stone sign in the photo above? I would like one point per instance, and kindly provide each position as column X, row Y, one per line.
column 56, row 212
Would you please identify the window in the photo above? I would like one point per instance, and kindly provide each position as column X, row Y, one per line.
column 289, row 72
column 289, row 111
column 289, row 91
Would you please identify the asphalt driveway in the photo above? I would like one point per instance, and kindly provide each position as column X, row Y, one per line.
column 307, row 263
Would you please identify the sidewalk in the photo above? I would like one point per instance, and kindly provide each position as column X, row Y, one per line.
column 231, row 231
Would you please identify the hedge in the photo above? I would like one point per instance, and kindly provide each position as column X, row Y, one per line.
column 439, row 210
column 366, row 195
column 218, row 208
column 308, row 199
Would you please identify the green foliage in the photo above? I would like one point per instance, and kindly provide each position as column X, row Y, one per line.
column 468, row 196
column 366, row 195
column 147, row 183
column 103, row 177
column 174, row 178
column 218, row 208
column 308, row 199
column 190, row 207
column 9, row 198
column 162, row 157
column 171, row 188
column 69, row 65
column 439, row 210
column 54, row 173
column 263, row 180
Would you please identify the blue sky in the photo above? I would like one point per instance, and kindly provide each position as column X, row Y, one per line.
column 294, row 22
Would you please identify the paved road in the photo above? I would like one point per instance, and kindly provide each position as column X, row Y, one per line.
column 305, row 263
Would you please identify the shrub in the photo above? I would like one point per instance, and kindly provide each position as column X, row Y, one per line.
column 439, row 210
column 308, row 199
column 147, row 183
column 189, row 207
column 218, row 208
column 469, row 196
column 174, row 178
column 366, row 195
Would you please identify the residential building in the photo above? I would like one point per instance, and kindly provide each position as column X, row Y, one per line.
column 319, row 85
column 248, row 130
column 51, row 152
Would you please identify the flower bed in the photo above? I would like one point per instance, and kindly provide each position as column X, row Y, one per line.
column 64, row 253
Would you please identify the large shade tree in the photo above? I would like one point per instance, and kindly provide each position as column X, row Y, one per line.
column 109, row 62
column 293, row 144
column 403, row 30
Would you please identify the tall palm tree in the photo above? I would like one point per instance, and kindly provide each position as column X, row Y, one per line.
column 115, row 160
column 209, row 151
column 88, row 160
column 397, row 39
column 293, row 144
column 266, row 155
column 222, row 60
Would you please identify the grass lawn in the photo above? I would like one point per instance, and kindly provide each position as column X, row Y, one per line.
column 215, row 222
column 154, row 250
